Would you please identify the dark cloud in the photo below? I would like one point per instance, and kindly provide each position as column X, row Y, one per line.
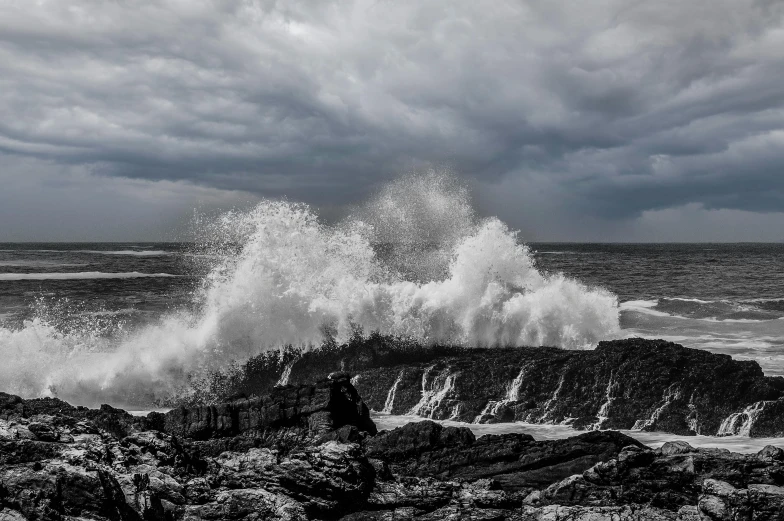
column 608, row 110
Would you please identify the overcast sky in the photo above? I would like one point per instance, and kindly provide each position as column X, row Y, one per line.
column 572, row 120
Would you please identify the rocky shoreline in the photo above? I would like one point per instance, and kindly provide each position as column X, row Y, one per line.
column 311, row 451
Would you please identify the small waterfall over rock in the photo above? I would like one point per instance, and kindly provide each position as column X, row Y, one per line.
column 740, row 423
column 284, row 377
column 390, row 401
column 550, row 404
column 512, row 395
column 604, row 411
column 433, row 392
column 670, row 395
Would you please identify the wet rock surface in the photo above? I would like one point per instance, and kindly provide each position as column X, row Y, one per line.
column 314, row 408
column 515, row 461
column 650, row 385
column 634, row 383
column 294, row 454
column 311, row 452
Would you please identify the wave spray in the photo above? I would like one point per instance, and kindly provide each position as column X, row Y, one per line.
column 414, row 261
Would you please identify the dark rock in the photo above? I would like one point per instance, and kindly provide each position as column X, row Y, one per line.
column 308, row 452
column 762, row 419
column 516, row 461
column 43, row 431
column 411, row 440
column 721, row 501
column 58, row 488
column 771, row 453
column 53, row 467
column 622, row 384
column 669, row 478
column 315, row 409
column 591, row 513
column 323, row 479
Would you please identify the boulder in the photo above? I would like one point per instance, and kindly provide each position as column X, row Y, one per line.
column 516, row 461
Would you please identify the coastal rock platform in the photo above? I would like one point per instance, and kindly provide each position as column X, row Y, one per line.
column 638, row 384
column 310, row 451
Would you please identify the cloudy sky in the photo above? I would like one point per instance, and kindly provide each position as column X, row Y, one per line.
column 571, row 120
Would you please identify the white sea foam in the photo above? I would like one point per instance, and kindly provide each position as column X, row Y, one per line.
column 80, row 275
column 449, row 278
column 552, row 432
column 643, row 306
column 33, row 263
column 136, row 253
column 647, row 307
column 143, row 253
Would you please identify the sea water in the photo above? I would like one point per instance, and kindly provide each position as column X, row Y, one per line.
column 742, row 444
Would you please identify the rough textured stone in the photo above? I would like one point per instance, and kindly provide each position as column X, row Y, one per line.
column 668, row 479
column 318, row 461
column 317, row 409
column 516, row 461
column 55, row 466
column 650, row 385
column 622, row 384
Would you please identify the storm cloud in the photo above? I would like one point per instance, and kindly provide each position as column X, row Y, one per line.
column 595, row 120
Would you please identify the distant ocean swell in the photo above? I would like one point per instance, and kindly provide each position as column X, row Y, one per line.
column 745, row 328
column 280, row 277
column 135, row 253
column 80, row 275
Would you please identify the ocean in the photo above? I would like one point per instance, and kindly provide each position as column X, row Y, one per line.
column 133, row 282
column 726, row 298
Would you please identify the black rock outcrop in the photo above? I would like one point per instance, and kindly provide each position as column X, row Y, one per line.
column 516, row 461
column 625, row 384
column 650, row 385
column 314, row 409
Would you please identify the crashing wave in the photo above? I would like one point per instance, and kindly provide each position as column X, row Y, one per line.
column 414, row 262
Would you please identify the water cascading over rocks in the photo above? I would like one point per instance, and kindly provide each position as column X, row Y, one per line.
column 623, row 384
column 741, row 423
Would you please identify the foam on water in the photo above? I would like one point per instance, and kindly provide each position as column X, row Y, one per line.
column 136, row 253
column 714, row 325
column 33, row 263
column 742, row 444
column 80, row 275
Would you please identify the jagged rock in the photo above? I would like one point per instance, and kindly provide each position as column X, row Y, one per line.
column 54, row 465
column 622, row 384
column 623, row 513
column 411, row 440
column 318, row 461
column 763, row 419
column 56, row 488
column 668, row 478
column 60, row 415
column 429, row 494
column 721, row 501
column 315, row 409
column 321, row 478
column 255, row 504
column 516, row 461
